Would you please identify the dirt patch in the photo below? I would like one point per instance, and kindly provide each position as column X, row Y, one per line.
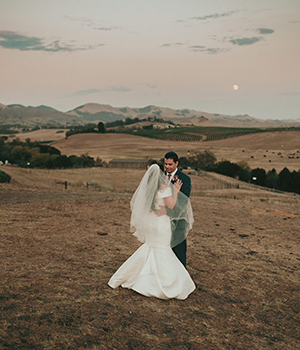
column 59, row 249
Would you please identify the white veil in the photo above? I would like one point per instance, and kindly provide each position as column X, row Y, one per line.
column 143, row 203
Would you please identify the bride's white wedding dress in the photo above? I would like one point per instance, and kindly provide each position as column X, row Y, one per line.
column 154, row 270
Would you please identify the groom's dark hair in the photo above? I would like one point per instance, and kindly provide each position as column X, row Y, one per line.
column 172, row 155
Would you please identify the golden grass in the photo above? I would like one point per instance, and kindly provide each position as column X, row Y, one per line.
column 60, row 247
column 259, row 150
column 115, row 180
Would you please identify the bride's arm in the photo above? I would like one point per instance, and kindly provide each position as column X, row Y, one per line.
column 171, row 200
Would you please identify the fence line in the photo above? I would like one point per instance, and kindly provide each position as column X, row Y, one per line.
column 65, row 183
column 221, row 182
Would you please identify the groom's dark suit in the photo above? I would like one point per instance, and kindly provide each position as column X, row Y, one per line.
column 180, row 225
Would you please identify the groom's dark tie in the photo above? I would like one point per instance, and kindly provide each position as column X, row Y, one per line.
column 169, row 176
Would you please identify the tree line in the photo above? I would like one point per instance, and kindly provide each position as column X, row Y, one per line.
column 36, row 155
column 285, row 180
column 86, row 129
column 102, row 128
column 130, row 121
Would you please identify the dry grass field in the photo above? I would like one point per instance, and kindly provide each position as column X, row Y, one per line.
column 41, row 135
column 266, row 150
column 59, row 247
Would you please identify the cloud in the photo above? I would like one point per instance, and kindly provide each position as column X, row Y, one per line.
column 245, row 41
column 208, row 50
column 152, row 86
column 97, row 91
column 120, row 88
column 105, row 28
column 86, row 92
column 250, row 41
column 265, row 31
column 173, row 44
column 90, row 23
column 13, row 40
column 214, row 16
column 84, row 20
column 198, row 48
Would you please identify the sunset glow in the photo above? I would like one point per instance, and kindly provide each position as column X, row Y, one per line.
column 182, row 54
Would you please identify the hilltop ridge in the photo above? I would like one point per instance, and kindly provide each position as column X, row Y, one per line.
column 17, row 114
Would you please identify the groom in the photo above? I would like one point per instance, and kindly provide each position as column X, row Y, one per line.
column 173, row 174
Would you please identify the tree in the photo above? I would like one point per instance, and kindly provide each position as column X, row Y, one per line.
column 21, row 155
column 272, row 179
column 41, row 160
column 243, row 174
column 285, row 180
column 258, row 176
column 49, row 149
column 101, row 128
column 62, row 162
column 296, row 181
column 86, row 161
column 227, row 168
column 207, row 158
column 99, row 162
column 200, row 160
column 148, row 127
column 244, row 165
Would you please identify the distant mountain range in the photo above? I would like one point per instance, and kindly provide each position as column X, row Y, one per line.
column 17, row 114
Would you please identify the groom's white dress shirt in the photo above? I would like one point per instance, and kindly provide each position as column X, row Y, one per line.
column 172, row 175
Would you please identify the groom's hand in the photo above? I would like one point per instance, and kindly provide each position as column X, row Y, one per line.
column 161, row 211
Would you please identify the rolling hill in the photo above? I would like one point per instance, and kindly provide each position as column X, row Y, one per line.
column 17, row 114
column 35, row 116
column 267, row 150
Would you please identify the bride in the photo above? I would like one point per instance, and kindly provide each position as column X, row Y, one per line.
column 154, row 270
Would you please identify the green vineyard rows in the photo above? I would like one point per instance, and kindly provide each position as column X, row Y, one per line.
column 193, row 133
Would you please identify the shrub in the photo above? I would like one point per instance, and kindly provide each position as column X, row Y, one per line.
column 41, row 160
column 199, row 160
column 4, row 178
column 227, row 168
column 258, row 176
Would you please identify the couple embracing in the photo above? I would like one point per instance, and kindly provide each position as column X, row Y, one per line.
column 161, row 217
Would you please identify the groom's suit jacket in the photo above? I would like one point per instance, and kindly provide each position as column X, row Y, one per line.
column 186, row 182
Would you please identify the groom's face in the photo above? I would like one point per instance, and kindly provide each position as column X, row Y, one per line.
column 170, row 165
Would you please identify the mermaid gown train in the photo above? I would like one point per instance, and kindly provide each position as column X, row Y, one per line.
column 154, row 270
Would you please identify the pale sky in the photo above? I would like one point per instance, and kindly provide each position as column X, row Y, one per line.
column 168, row 53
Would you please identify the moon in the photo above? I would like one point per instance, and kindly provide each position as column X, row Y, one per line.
column 235, row 87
